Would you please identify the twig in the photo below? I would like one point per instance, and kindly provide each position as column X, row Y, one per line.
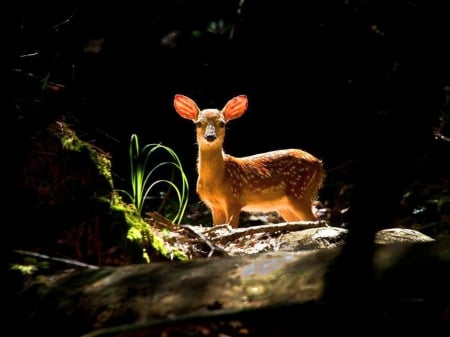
column 271, row 228
column 211, row 246
column 162, row 221
column 56, row 259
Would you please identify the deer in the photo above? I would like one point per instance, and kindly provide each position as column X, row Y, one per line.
column 283, row 181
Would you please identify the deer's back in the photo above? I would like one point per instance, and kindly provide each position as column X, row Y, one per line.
column 278, row 173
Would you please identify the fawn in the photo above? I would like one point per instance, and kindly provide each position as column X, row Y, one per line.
column 285, row 181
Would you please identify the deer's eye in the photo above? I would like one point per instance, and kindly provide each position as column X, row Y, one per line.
column 198, row 124
column 221, row 124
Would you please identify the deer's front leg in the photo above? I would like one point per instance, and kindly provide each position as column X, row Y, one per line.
column 219, row 216
column 232, row 214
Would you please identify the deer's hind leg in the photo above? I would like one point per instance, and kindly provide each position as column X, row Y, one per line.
column 298, row 210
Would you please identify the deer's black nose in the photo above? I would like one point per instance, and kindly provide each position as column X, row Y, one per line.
column 210, row 133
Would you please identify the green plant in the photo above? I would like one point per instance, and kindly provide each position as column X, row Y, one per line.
column 140, row 176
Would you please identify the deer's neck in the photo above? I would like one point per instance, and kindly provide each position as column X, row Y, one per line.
column 211, row 163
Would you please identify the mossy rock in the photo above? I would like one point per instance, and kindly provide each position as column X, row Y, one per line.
column 67, row 207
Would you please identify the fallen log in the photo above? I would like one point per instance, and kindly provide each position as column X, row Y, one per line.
column 254, row 295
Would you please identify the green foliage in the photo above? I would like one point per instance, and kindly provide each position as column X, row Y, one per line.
column 141, row 174
column 142, row 238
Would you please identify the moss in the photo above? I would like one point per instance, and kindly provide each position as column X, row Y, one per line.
column 71, row 142
column 66, row 185
column 141, row 236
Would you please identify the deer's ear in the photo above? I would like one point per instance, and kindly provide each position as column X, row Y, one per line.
column 235, row 107
column 185, row 107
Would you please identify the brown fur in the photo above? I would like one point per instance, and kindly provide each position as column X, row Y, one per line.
column 285, row 181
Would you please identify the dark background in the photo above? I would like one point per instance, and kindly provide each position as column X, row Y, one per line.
column 341, row 79
column 354, row 81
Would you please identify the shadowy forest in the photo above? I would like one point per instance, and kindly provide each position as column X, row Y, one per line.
column 362, row 85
